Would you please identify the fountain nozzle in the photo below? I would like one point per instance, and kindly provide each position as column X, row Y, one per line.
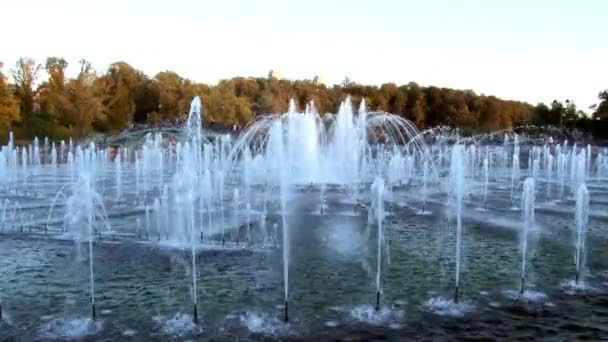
column 377, row 300
column 456, row 294
column 286, row 313
column 195, row 314
column 93, row 311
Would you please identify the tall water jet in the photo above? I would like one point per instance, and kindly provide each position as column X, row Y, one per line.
column 377, row 191
column 456, row 194
column 118, row 171
column 80, row 210
column 276, row 155
column 486, row 176
column 192, row 167
column 514, row 178
column 581, row 218
column 285, row 245
column 322, row 200
column 527, row 211
column 235, row 199
column 425, row 172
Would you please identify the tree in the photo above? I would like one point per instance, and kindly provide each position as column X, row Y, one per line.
column 52, row 94
column 9, row 106
column 25, row 75
column 347, row 82
column 147, row 94
column 601, row 110
column 541, row 115
column 223, row 105
column 175, row 95
column 119, row 92
column 86, row 101
column 416, row 104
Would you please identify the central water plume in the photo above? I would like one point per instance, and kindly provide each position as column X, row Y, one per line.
column 345, row 148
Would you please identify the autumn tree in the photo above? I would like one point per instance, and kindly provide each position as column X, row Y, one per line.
column 175, row 95
column 86, row 101
column 9, row 107
column 119, row 86
column 25, row 75
column 223, row 105
column 53, row 96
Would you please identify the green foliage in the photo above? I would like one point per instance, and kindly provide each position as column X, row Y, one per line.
column 601, row 111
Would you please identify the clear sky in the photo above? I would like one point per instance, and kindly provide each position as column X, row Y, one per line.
column 531, row 50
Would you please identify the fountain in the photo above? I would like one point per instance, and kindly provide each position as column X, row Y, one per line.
column 527, row 211
column 486, row 177
column 377, row 191
column 456, row 194
column 300, row 179
column 582, row 219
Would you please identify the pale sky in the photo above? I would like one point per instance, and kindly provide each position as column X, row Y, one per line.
column 530, row 50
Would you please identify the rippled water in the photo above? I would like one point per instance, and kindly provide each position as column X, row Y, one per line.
column 143, row 290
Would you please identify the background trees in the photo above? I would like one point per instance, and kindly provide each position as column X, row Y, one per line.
column 9, row 106
column 25, row 75
column 601, row 110
column 59, row 106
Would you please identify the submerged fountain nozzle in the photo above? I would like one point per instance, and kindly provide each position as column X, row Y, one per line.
column 195, row 313
column 522, row 285
column 456, row 294
column 93, row 311
column 0, row 311
column 377, row 300
column 286, row 313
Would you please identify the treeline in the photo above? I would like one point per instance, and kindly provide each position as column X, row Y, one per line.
column 104, row 102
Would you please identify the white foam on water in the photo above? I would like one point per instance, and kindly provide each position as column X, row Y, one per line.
column 447, row 307
column 571, row 287
column 495, row 304
column 331, row 324
column 6, row 318
column 129, row 333
column 400, row 302
column 530, row 296
column 368, row 314
column 262, row 323
column 180, row 324
column 70, row 328
column 47, row 317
